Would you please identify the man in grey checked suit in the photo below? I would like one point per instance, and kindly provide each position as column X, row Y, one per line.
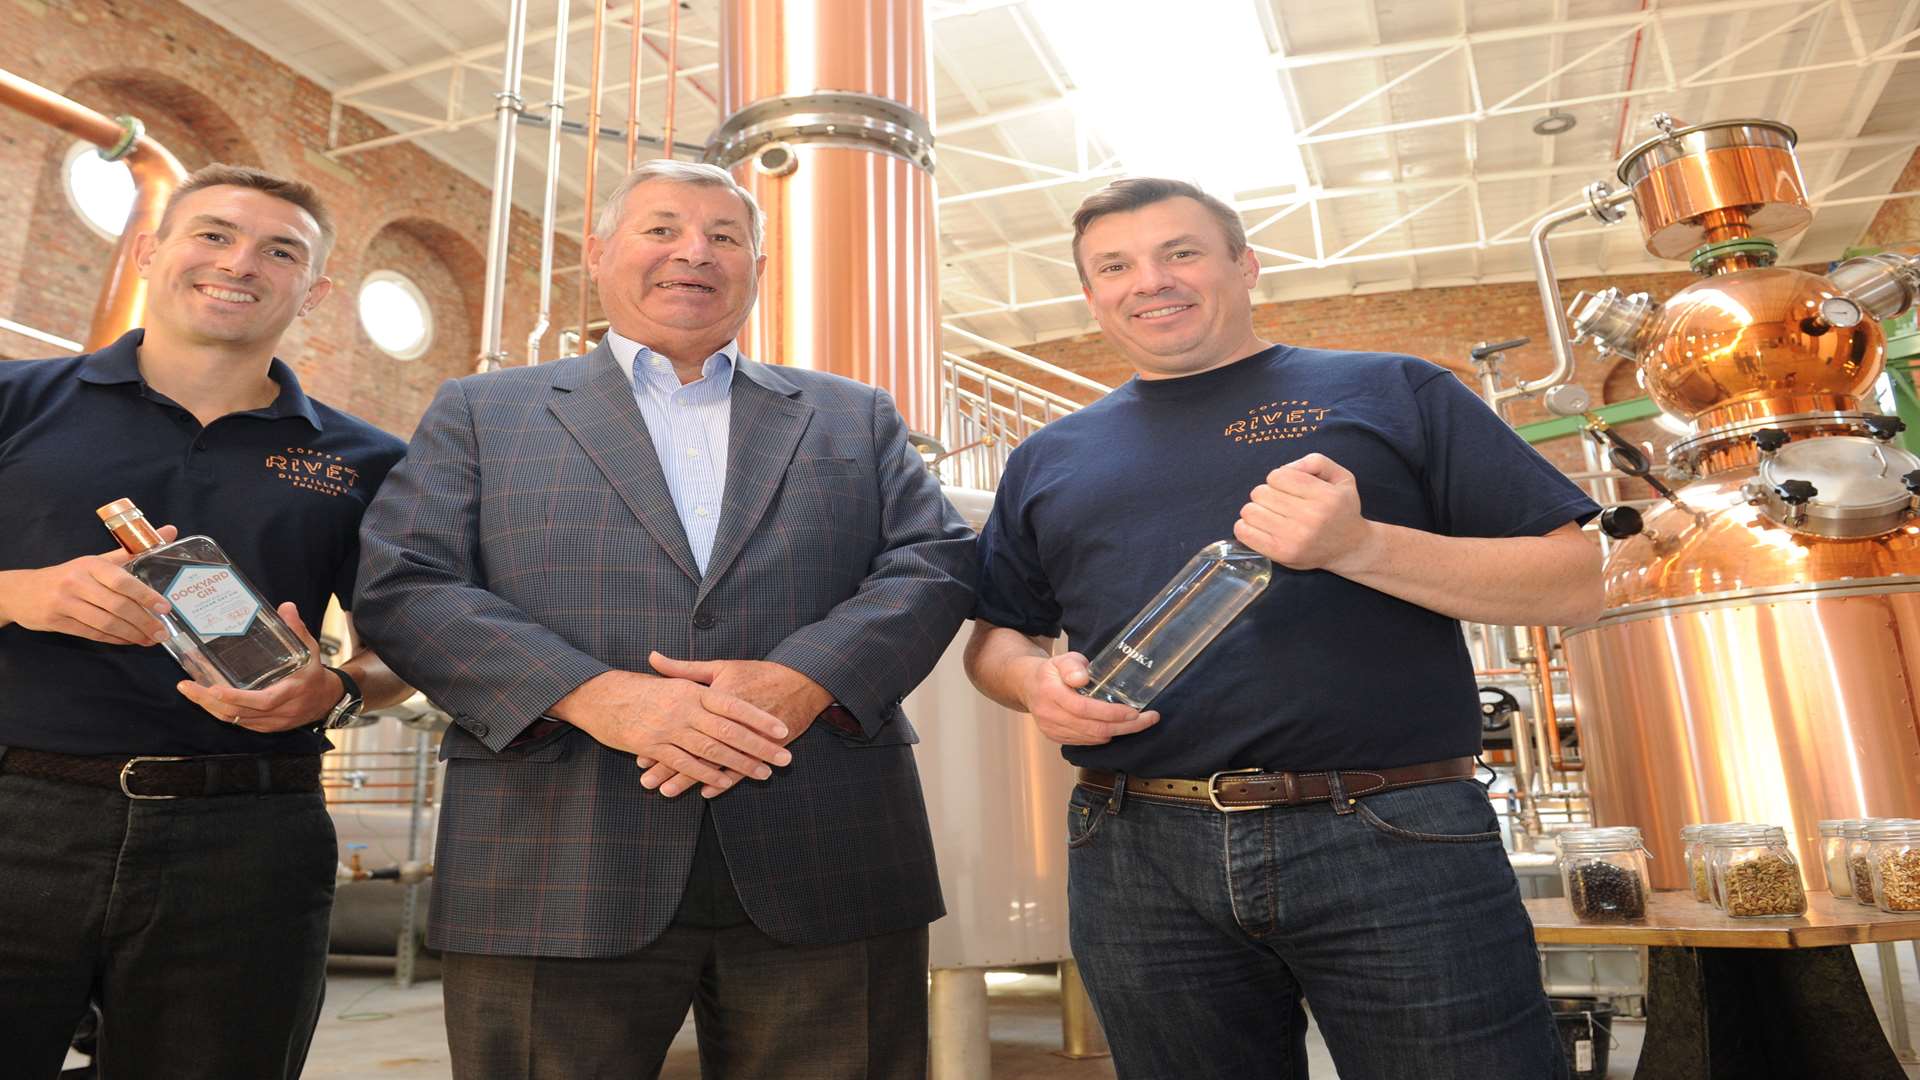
column 650, row 569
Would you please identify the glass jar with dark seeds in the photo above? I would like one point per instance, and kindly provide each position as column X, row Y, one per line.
column 1604, row 872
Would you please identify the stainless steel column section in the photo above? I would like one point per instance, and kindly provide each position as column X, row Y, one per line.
column 826, row 105
column 500, row 216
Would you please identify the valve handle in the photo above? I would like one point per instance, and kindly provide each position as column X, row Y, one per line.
column 1770, row 439
column 1621, row 522
column 1796, row 492
column 1885, row 428
column 1497, row 710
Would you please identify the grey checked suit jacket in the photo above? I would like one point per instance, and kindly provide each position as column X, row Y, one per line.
column 528, row 543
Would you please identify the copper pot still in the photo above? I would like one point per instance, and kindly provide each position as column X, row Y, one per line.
column 1760, row 645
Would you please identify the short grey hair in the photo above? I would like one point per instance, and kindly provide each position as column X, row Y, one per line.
column 679, row 172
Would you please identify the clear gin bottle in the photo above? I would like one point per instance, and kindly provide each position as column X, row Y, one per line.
column 221, row 630
column 1159, row 642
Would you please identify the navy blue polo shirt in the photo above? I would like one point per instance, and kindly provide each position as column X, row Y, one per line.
column 281, row 489
column 1097, row 510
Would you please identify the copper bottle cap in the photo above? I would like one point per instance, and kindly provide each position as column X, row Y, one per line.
column 116, row 508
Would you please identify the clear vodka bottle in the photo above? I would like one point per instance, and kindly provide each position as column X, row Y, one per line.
column 221, row 630
column 1159, row 642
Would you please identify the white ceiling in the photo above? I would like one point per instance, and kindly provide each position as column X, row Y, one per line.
column 1422, row 165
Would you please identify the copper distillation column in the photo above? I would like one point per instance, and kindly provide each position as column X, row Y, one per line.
column 1761, row 636
column 826, row 123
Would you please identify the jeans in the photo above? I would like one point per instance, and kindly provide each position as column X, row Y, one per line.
column 1198, row 933
column 199, row 924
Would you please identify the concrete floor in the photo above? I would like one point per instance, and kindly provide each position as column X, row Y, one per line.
column 372, row 1031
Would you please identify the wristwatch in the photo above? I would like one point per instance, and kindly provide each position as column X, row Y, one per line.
column 344, row 710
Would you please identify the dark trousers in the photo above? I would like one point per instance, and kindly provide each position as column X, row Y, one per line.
column 199, row 924
column 762, row 1009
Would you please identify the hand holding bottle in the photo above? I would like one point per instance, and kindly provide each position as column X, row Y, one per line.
column 91, row 597
column 296, row 700
column 1070, row 718
column 1306, row 516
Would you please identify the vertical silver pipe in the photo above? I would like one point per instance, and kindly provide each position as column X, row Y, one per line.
column 500, row 217
column 1599, row 205
column 1529, row 828
column 409, row 942
column 556, row 114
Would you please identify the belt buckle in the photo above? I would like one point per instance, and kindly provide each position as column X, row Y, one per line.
column 1213, row 790
column 126, row 772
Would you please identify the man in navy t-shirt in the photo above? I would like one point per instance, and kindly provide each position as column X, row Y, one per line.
column 168, row 851
column 1339, row 708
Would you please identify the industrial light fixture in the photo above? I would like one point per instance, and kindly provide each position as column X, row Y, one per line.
column 1192, row 95
column 1555, row 122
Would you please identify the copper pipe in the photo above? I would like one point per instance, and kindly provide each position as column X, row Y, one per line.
column 156, row 175
column 673, row 75
column 636, row 17
column 1477, row 672
column 1543, row 700
column 593, row 159
column 1728, row 223
column 693, row 82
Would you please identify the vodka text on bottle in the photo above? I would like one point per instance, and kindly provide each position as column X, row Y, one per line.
column 1160, row 640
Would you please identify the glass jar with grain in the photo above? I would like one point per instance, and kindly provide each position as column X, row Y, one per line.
column 1893, row 859
column 1757, row 874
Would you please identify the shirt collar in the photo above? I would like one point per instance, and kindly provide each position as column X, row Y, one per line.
column 627, row 352
column 119, row 363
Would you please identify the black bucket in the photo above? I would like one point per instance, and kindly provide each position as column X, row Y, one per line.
column 1586, row 1033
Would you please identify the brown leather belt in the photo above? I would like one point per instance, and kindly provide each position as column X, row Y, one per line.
column 151, row 777
column 1252, row 789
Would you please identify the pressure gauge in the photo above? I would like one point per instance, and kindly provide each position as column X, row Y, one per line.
column 1841, row 311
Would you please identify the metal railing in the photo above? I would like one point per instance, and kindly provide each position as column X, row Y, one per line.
column 985, row 412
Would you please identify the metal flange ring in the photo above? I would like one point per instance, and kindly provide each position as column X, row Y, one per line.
column 131, row 129
column 832, row 118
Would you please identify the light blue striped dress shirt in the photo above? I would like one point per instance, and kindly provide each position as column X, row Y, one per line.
column 689, row 424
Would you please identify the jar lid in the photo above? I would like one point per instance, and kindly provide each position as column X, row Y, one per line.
column 1894, row 829
column 1737, row 835
column 1618, row 838
column 1856, row 828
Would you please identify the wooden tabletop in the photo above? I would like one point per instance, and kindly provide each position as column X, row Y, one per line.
column 1676, row 918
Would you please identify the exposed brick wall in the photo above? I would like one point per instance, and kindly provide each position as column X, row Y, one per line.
column 1441, row 325
column 1898, row 221
column 209, row 96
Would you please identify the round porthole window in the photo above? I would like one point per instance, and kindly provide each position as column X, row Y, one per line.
column 101, row 191
column 395, row 315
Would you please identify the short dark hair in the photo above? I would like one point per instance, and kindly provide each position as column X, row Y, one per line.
column 1135, row 192
column 296, row 192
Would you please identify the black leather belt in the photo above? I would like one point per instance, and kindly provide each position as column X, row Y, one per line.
column 1253, row 789
column 153, row 777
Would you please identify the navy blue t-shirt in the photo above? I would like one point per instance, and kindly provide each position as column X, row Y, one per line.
column 1097, row 510
column 281, row 489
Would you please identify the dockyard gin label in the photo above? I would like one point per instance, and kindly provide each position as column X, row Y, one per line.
column 212, row 601
column 221, row 630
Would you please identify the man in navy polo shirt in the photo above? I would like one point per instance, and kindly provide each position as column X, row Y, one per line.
column 168, row 852
column 1339, row 710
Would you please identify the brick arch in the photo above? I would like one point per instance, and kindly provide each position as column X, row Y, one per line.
column 207, row 133
column 449, row 270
